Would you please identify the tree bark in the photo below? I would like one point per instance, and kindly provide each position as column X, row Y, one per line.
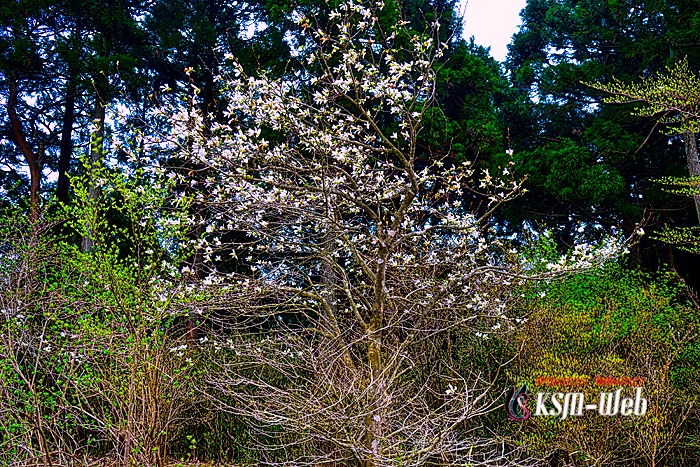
column 629, row 226
column 66, row 141
column 691, row 153
column 373, row 421
column 35, row 161
column 96, row 152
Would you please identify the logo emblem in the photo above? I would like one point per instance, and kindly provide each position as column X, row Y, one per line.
column 515, row 404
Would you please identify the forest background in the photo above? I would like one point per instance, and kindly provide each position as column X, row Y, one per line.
column 338, row 233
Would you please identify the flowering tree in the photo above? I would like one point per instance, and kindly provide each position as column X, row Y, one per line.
column 359, row 274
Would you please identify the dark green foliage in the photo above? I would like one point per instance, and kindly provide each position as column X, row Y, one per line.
column 561, row 46
column 565, row 170
column 469, row 83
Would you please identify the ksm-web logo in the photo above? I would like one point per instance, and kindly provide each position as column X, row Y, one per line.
column 624, row 401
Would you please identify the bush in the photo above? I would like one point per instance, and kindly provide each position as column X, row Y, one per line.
column 616, row 323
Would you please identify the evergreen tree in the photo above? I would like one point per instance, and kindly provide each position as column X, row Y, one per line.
column 674, row 99
column 591, row 162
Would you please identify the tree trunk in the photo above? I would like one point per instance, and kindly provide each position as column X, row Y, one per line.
column 629, row 226
column 691, row 153
column 373, row 420
column 34, row 161
column 66, row 141
column 96, row 153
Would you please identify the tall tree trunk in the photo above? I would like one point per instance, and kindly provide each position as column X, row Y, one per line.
column 96, row 151
column 34, row 161
column 691, row 154
column 373, row 420
column 66, row 140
